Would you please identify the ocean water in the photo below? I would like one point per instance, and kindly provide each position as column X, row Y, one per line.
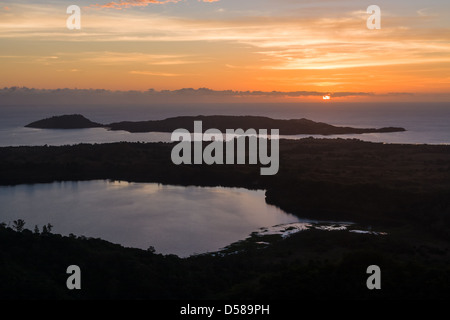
column 425, row 123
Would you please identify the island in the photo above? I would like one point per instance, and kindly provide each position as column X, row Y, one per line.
column 220, row 122
column 73, row 121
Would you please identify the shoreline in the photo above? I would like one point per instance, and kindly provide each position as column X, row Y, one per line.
column 392, row 182
column 60, row 137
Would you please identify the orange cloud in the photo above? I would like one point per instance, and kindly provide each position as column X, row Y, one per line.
column 138, row 3
column 158, row 74
column 132, row 3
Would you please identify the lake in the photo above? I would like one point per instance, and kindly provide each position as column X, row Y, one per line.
column 174, row 219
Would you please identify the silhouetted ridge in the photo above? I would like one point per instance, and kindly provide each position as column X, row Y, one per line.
column 286, row 127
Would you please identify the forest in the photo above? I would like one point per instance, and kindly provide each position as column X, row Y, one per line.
column 400, row 189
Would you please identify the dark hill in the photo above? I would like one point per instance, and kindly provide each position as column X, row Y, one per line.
column 73, row 121
column 286, row 127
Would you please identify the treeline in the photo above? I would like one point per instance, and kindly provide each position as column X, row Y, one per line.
column 309, row 265
column 19, row 226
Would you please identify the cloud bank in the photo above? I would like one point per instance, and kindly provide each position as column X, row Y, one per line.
column 123, row 4
column 24, row 95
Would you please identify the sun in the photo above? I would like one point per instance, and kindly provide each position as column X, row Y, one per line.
column 327, row 97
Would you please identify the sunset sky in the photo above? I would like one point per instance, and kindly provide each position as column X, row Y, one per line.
column 265, row 45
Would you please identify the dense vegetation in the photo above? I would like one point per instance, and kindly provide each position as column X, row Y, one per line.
column 309, row 265
column 400, row 189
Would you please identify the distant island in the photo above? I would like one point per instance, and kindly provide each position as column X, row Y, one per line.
column 73, row 121
column 286, row 127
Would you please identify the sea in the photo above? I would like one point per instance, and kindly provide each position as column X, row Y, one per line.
column 425, row 123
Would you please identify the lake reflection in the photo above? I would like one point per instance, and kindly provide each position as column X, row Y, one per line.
column 173, row 219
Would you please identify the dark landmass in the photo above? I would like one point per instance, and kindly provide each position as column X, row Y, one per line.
column 308, row 265
column 318, row 178
column 399, row 189
column 73, row 121
column 222, row 123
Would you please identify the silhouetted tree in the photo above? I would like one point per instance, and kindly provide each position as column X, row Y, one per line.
column 47, row 229
column 36, row 230
column 18, row 225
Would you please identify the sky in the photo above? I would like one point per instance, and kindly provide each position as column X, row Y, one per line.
column 319, row 46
